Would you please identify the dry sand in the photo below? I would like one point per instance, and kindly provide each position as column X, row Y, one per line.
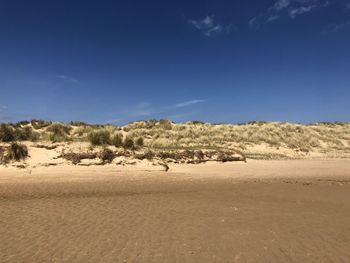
column 260, row 211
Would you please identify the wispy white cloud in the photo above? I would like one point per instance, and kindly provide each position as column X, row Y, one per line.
column 335, row 27
column 281, row 4
column 3, row 108
column 208, row 26
column 67, row 78
column 147, row 110
column 273, row 18
column 188, row 103
column 293, row 13
column 289, row 8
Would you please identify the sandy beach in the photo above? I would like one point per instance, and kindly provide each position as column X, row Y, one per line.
column 175, row 131
column 259, row 211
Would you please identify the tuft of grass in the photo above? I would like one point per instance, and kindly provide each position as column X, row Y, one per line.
column 7, row 133
column 59, row 132
column 59, row 129
column 16, row 152
column 40, row 124
column 101, row 137
column 26, row 134
column 117, row 140
column 78, row 123
column 128, row 143
column 22, row 123
column 165, row 124
column 139, row 141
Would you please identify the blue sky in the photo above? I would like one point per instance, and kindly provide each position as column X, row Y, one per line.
column 217, row 61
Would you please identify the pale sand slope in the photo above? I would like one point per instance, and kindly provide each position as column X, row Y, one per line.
column 262, row 211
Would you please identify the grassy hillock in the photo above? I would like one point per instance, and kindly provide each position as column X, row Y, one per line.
column 259, row 140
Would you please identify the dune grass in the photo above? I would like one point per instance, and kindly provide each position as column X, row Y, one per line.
column 278, row 137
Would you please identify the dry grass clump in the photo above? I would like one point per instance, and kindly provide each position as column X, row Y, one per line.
column 59, row 128
column 9, row 133
column 275, row 135
column 14, row 152
column 59, row 132
column 82, row 131
column 26, row 134
column 40, row 124
column 104, row 137
column 139, row 142
column 78, row 123
column 128, row 143
column 101, row 137
column 117, row 140
column 273, row 138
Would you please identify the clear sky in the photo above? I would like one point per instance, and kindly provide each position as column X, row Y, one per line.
column 217, row 61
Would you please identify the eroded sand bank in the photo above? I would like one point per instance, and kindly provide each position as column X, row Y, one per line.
column 260, row 211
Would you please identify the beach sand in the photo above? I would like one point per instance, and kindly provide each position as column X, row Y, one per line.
column 259, row 211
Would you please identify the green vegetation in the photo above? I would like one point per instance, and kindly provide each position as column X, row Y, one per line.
column 117, row 140
column 7, row 133
column 78, row 123
column 40, row 124
column 102, row 137
column 266, row 140
column 139, row 141
column 59, row 132
column 128, row 143
column 15, row 152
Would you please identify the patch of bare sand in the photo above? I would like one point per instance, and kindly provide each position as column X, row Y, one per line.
column 262, row 211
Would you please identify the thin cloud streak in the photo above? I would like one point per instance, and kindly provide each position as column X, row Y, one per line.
column 207, row 26
column 148, row 110
column 290, row 8
column 333, row 28
column 68, row 79
column 293, row 13
column 3, row 108
column 188, row 103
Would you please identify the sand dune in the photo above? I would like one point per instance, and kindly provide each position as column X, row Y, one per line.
column 254, row 212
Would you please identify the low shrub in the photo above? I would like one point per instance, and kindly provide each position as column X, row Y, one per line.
column 102, row 137
column 78, row 123
column 165, row 124
column 81, row 130
column 39, row 124
column 22, row 123
column 128, row 143
column 7, row 133
column 58, row 138
column 59, row 129
column 117, row 140
column 107, row 155
column 26, row 134
column 59, row 132
column 16, row 152
column 139, row 141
